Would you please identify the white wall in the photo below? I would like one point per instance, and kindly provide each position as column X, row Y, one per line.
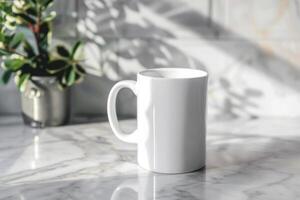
column 250, row 49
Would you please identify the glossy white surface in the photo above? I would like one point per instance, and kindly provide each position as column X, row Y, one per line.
column 246, row 159
column 171, row 118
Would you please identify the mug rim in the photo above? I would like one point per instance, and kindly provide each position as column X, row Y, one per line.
column 194, row 73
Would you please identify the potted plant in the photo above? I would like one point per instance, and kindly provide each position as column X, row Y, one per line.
column 42, row 73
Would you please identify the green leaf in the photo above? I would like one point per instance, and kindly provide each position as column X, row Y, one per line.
column 50, row 17
column 80, row 69
column 13, row 64
column 76, row 46
column 44, row 29
column 8, row 38
column 6, row 76
column 47, row 3
column 77, row 53
column 71, row 77
column 31, row 11
column 64, row 76
column 21, row 81
column 27, row 69
column 3, row 52
column 6, row 6
column 29, row 49
column 33, row 1
column 2, row 37
column 26, row 18
column 44, row 58
column 56, row 65
column 16, row 40
column 60, row 78
column 68, row 77
column 44, row 44
column 44, row 32
column 62, row 51
column 78, row 78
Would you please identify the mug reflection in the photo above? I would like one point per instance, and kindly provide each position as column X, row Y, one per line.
column 153, row 186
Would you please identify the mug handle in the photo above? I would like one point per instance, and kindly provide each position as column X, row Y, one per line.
column 112, row 115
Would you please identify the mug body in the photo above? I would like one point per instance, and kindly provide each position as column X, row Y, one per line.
column 171, row 112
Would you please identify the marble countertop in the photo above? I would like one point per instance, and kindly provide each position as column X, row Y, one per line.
column 246, row 159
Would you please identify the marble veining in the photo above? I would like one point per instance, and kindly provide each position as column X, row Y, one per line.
column 246, row 159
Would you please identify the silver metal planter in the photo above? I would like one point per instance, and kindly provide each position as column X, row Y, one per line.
column 44, row 104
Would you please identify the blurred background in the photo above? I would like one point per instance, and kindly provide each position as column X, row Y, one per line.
column 251, row 50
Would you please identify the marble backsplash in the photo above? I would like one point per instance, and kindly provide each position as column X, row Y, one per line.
column 251, row 50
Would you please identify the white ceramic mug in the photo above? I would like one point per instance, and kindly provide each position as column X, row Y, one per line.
column 171, row 118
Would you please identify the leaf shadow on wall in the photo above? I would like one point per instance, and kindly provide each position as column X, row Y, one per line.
column 129, row 42
column 134, row 52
